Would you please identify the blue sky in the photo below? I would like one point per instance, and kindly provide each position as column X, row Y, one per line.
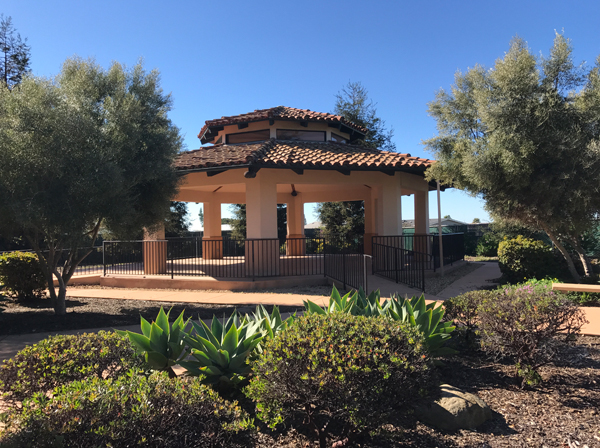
column 229, row 57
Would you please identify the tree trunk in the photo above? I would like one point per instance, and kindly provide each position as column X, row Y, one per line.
column 563, row 251
column 60, row 304
column 585, row 261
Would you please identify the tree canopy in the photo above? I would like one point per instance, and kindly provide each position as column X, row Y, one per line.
column 353, row 103
column 89, row 148
column 14, row 54
column 524, row 136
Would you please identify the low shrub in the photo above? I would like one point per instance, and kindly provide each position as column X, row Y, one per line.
column 131, row 410
column 527, row 324
column 524, row 258
column 462, row 310
column 22, row 276
column 58, row 360
column 427, row 318
column 579, row 298
column 340, row 373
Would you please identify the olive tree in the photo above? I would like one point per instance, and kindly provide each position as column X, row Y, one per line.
column 90, row 148
column 525, row 136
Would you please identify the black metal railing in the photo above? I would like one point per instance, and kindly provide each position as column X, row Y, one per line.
column 400, row 265
column 124, row 257
column 350, row 269
column 233, row 258
column 91, row 264
column 453, row 244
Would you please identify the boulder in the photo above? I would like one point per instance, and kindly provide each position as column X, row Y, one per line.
column 454, row 409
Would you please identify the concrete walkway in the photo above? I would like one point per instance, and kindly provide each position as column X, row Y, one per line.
column 478, row 279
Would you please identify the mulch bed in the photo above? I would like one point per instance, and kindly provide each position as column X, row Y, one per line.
column 563, row 412
column 82, row 313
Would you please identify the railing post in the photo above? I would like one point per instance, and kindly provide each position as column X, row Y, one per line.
column 172, row 258
column 423, row 276
column 396, row 263
column 103, row 259
column 344, row 268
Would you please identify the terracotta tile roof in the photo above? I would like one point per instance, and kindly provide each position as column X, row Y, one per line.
column 295, row 154
column 280, row 113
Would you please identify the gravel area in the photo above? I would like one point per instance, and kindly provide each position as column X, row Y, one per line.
column 433, row 285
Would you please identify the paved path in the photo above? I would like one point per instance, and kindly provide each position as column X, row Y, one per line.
column 477, row 279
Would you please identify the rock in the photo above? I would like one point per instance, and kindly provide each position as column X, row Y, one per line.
column 454, row 409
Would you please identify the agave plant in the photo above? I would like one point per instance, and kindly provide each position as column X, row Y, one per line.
column 269, row 324
column 222, row 352
column 161, row 344
column 356, row 303
column 427, row 318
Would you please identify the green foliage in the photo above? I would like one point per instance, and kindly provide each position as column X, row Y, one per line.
column 14, row 54
column 356, row 303
column 579, row 298
column 353, row 103
column 161, row 344
column 131, row 410
column 462, row 310
column 222, row 352
column 177, row 223
column 89, row 148
column 269, row 324
column 526, row 324
column 21, row 275
column 523, row 135
column 427, row 318
column 58, row 360
column 414, row 312
column 342, row 218
column 238, row 222
column 487, row 246
column 342, row 372
column 523, row 258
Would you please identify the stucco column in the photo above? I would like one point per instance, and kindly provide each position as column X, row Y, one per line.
column 295, row 226
column 155, row 251
column 262, row 244
column 370, row 224
column 422, row 222
column 212, row 241
column 391, row 208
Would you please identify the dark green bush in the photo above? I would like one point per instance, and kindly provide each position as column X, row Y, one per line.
column 340, row 373
column 58, row 360
column 524, row 258
column 527, row 323
column 21, row 275
column 487, row 246
column 129, row 411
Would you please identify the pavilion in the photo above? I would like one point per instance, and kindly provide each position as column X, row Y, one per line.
column 293, row 156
